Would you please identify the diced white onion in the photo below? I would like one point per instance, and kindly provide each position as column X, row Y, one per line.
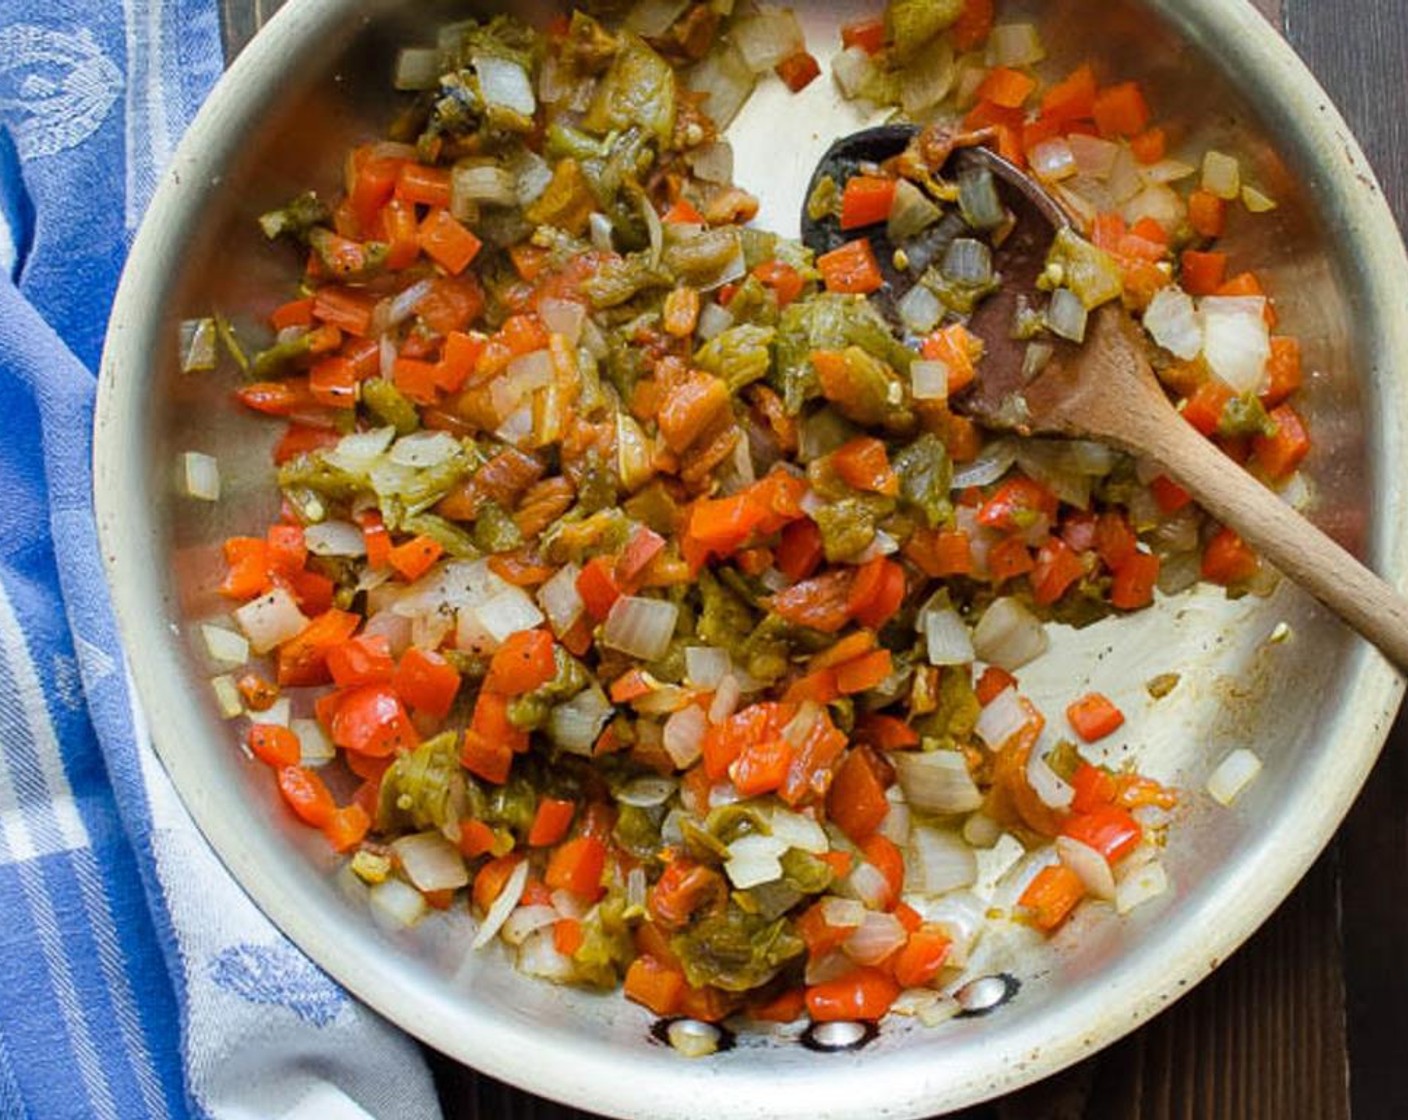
column 881, row 544
column 828, row 966
column 1167, row 171
column 652, row 18
column 993, row 461
column 1233, row 774
column 895, row 824
column 504, row 82
column 1140, row 885
column 525, row 920
column 576, row 725
column 714, row 320
column 640, row 627
column 335, row 538
column 684, row 735
column 797, row 831
column 531, row 176
column 356, row 452
column 852, row 69
column 485, row 183
column 1015, row 44
column 417, row 68
column 424, row 449
column 754, row 859
column 726, row 699
column 276, row 713
column 929, row 379
column 725, row 81
column 842, row 913
column 560, row 599
column 1125, row 181
column 200, row 475
column 879, row 935
column 868, row 883
column 538, row 956
column 647, row 792
column 1001, row 718
column 919, row 309
column 713, row 163
column 967, row 261
column 227, row 696
column 1236, row 342
column 395, row 628
column 502, row 906
column 508, row 612
column 564, row 317
column 939, row 861
column 400, row 307
column 1158, row 202
column 1089, row 865
column 1053, row 790
column 928, row 78
column 524, row 375
column 315, row 748
column 1066, row 315
column 599, row 230
column 706, row 666
column 1256, row 202
column 1053, row 160
column 1093, row 156
column 936, row 781
column 768, row 37
column 1172, row 321
column 396, row 904
column 981, row 830
column 270, row 619
column 911, row 212
column 663, row 699
column 946, row 638
column 199, row 345
column 224, row 645
column 1009, row 635
column 800, row 726
column 994, row 864
column 1222, row 175
column 431, row 862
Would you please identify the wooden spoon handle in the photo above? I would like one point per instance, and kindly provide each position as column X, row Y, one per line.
column 1295, row 546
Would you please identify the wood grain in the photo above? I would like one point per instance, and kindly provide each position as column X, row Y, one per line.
column 1357, row 49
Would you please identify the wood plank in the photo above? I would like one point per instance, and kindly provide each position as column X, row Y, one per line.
column 1353, row 46
column 1357, row 48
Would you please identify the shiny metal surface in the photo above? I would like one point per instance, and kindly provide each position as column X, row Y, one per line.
column 1315, row 708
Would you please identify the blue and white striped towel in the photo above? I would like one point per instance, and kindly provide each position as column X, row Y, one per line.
column 138, row 980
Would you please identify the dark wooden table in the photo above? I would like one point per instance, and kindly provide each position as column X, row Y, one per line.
column 1309, row 1020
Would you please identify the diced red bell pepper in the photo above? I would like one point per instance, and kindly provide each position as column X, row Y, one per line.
column 524, row 662
column 577, row 866
column 371, row 720
column 426, row 681
column 365, row 659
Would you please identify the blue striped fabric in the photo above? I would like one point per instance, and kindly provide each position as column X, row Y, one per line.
column 125, row 992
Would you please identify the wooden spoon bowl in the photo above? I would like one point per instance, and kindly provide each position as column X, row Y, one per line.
column 1105, row 389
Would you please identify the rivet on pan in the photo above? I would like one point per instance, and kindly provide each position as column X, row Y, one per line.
column 986, row 993
column 830, row 1038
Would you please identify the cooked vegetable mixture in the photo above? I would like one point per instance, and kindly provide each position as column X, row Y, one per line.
column 640, row 590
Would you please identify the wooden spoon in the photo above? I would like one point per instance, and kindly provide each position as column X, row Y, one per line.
column 1106, row 390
